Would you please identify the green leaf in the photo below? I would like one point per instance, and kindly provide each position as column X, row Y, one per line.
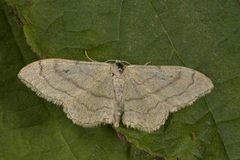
column 136, row 154
column 203, row 35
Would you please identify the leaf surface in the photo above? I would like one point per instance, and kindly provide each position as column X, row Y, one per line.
column 203, row 35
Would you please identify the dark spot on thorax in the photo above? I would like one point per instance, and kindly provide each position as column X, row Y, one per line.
column 120, row 66
column 65, row 70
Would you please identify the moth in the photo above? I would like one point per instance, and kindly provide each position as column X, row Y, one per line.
column 94, row 93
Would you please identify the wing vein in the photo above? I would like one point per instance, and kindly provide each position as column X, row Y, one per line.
column 175, row 95
column 178, row 77
column 48, row 82
column 77, row 85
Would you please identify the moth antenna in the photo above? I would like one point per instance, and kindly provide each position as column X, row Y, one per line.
column 126, row 62
column 86, row 54
column 148, row 63
column 110, row 60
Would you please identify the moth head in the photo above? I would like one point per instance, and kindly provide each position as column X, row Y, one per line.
column 121, row 65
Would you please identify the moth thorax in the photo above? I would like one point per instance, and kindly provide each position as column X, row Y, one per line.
column 118, row 82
